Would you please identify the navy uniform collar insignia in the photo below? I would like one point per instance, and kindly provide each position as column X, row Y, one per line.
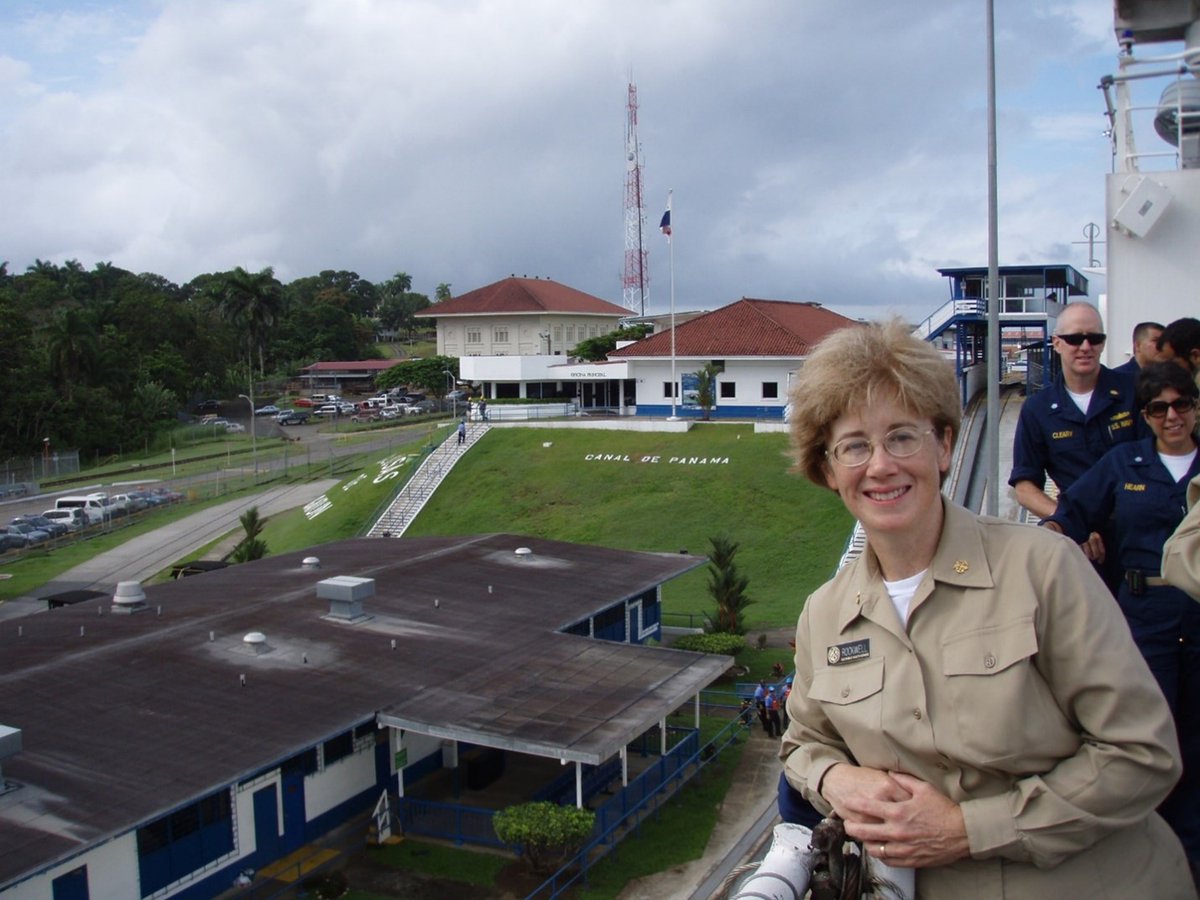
column 837, row 654
column 1113, row 392
column 961, row 566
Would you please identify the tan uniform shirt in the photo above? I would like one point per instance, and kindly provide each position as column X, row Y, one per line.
column 1181, row 552
column 1017, row 691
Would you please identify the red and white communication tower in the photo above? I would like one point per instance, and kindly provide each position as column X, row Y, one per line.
column 635, row 281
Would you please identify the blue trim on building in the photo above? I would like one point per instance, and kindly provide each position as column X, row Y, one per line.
column 660, row 411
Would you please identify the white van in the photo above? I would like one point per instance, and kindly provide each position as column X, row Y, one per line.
column 94, row 506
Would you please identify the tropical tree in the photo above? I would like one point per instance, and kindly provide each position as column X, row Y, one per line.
column 546, row 833
column 252, row 546
column 251, row 302
column 71, row 347
column 442, row 292
column 727, row 586
column 597, row 349
column 429, row 374
column 706, row 388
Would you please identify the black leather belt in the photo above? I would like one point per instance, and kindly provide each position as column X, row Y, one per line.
column 1138, row 580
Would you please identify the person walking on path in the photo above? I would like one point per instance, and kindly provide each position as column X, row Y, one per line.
column 774, row 724
column 462, row 431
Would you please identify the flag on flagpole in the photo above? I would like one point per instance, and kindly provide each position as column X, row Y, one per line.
column 665, row 224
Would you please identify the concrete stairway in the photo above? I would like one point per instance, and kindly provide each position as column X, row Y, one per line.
column 414, row 495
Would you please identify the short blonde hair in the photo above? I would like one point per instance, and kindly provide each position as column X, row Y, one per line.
column 855, row 365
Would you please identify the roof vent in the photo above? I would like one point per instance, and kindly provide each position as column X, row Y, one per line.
column 523, row 552
column 256, row 643
column 128, row 599
column 10, row 745
column 346, row 594
column 311, row 562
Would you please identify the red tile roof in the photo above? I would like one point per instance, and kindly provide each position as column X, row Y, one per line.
column 745, row 328
column 362, row 365
column 525, row 295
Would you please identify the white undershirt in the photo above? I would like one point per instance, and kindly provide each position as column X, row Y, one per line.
column 902, row 592
column 1178, row 466
column 1081, row 400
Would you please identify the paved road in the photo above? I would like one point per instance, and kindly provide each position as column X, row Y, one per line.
column 147, row 555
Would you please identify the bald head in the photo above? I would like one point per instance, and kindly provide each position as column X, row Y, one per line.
column 1078, row 340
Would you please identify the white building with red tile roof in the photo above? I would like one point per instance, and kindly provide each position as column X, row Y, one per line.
column 513, row 339
column 757, row 344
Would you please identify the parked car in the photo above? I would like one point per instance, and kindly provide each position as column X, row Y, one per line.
column 327, row 409
column 459, row 396
column 235, row 428
column 269, row 410
column 293, row 417
column 167, row 494
column 365, row 415
column 73, row 519
column 145, row 499
column 208, row 406
column 32, row 535
column 11, row 541
column 305, row 401
column 41, row 523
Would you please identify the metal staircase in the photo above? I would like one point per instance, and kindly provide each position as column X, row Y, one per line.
column 414, row 495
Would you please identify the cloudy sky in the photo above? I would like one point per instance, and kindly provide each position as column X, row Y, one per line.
column 814, row 153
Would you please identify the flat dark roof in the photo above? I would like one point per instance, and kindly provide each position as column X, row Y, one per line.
column 125, row 717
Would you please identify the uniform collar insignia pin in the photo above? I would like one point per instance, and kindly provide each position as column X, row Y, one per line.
column 961, row 566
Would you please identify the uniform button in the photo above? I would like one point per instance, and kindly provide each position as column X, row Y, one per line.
column 916, row 714
column 989, row 661
column 845, row 692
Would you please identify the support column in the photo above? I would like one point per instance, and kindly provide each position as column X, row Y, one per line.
column 397, row 748
column 579, row 784
column 662, row 730
column 697, row 710
column 624, row 767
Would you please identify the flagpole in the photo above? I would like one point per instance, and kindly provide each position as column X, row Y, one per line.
column 671, row 255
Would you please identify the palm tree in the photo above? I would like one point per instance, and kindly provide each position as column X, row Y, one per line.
column 727, row 586
column 251, row 301
column 252, row 546
column 706, row 388
column 71, row 346
column 442, row 292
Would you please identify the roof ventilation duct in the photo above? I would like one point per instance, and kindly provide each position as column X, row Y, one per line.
column 346, row 594
column 256, row 643
column 310, row 562
column 128, row 599
column 10, row 745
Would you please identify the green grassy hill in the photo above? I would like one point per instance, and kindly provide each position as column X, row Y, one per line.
column 631, row 490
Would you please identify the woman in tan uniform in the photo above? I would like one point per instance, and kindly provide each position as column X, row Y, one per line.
column 967, row 696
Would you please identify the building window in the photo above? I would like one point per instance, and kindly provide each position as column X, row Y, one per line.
column 728, row 390
column 558, row 338
column 770, row 390
column 474, row 336
column 570, row 334
column 500, row 335
column 667, row 389
column 184, row 841
column 337, row 748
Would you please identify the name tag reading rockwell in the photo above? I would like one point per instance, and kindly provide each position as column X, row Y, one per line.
column 844, row 653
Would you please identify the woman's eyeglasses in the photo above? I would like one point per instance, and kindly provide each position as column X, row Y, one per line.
column 899, row 443
column 1157, row 409
column 1095, row 338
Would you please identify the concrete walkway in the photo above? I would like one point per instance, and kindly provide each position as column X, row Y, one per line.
column 746, row 811
column 147, row 555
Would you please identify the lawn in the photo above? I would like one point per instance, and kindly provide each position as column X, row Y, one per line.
column 622, row 489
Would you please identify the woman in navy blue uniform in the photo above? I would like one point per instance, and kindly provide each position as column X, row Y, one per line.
column 1142, row 487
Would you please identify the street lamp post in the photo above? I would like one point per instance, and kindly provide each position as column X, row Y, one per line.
column 253, row 436
column 453, row 399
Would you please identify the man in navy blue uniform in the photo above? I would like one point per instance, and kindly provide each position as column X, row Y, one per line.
column 1065, row 429
column 1145, row 348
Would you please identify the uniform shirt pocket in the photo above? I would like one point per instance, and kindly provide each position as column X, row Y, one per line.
column 851, row 696
column 997, row 694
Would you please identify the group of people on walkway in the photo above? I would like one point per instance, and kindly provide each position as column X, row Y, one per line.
column 970, row 698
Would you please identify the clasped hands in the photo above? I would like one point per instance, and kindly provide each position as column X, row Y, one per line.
column 902, row 820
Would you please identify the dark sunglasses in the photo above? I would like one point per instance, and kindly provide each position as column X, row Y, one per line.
column 1157, row 409
column 1095, row 338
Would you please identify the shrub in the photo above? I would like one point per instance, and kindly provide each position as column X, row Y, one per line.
column 547, row 834
column 715, row 642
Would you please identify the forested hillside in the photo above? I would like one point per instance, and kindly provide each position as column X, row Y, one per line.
column 102, row 358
